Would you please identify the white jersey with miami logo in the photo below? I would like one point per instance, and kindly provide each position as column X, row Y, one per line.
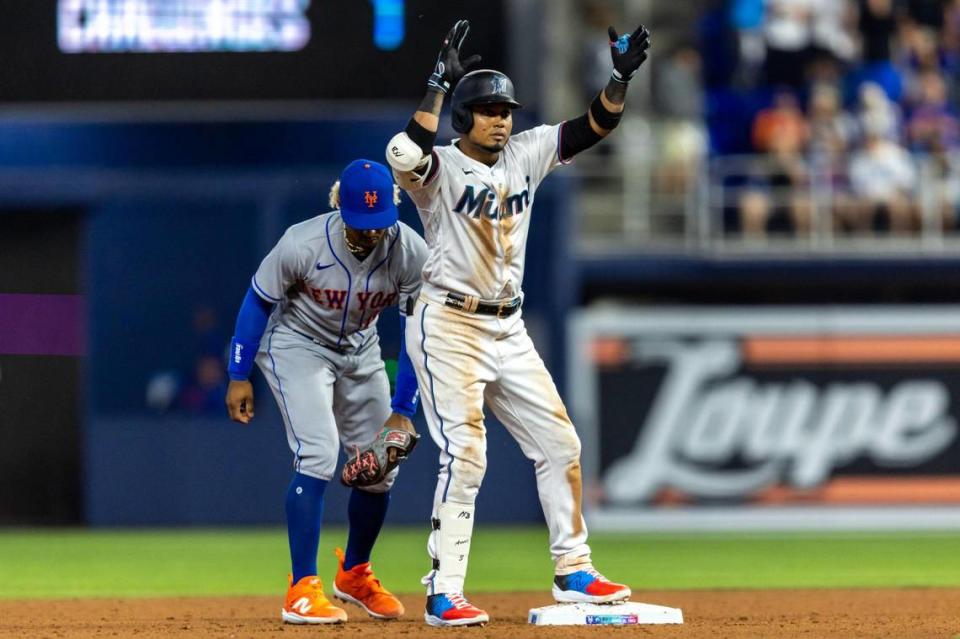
column 476, row 217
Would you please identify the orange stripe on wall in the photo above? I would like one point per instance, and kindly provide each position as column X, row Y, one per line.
column 871, row 490
column 851, row 350
column 609, row 351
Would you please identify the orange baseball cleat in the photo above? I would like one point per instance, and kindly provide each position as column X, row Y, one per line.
column 306, row 603
column 359, row 586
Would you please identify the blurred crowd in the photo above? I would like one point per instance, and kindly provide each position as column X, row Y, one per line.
column 847, row 108
column 196, row 386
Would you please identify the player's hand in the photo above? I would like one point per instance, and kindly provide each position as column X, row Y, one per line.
column 449, row 67
column 628, row 51
column 240, row 401
column 396, row 421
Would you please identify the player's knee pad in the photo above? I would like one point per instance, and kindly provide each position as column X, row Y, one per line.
column 318, row 467
column 565, row 452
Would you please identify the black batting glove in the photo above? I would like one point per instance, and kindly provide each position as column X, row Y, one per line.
column 449, row 67
column 628, row 51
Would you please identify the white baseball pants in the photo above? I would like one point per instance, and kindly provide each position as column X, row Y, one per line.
column 463, row 361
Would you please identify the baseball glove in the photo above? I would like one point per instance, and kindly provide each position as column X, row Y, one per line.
column 371, row 465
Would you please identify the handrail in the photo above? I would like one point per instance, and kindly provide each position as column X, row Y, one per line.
column 624, row 203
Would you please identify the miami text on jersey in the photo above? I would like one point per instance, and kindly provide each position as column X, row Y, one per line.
column 483, row 203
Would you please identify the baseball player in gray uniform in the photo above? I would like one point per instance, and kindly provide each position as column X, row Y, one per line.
column 309, row 322
column 467, row 338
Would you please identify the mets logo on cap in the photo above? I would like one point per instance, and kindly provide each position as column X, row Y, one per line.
column 366, row 196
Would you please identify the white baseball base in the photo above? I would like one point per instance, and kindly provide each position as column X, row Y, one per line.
column 622, row 614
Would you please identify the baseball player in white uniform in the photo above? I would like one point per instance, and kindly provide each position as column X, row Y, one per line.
column 467, row 339
column 309, row 322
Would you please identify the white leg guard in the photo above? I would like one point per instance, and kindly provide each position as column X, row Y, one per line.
column 450, row 548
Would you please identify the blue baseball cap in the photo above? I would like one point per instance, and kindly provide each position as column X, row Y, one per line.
column 366, row 196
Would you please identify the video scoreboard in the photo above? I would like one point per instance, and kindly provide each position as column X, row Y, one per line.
column 108, row 50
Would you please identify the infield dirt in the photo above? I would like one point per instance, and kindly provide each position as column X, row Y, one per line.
column 769, row 614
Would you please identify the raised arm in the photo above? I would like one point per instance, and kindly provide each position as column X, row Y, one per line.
column 409, row 150
column 628, row 51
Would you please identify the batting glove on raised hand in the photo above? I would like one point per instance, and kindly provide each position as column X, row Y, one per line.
column 449, row 67
column 628, row 51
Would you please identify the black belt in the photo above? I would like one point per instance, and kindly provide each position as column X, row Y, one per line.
column 339, row 349
column 504, row 309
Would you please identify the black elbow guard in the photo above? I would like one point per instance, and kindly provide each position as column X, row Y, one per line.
column 575, row 136
column 421, row 136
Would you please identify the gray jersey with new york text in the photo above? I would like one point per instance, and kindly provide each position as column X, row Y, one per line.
column 325, row 292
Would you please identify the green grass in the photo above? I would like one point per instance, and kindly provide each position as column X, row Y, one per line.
column 83, row 563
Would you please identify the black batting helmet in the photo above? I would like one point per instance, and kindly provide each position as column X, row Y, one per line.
column 484, row 86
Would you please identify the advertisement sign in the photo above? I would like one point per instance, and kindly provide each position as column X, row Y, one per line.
column 768, row 407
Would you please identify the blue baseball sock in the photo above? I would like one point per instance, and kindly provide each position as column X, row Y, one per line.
column 304, row 511
column 366, row 512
